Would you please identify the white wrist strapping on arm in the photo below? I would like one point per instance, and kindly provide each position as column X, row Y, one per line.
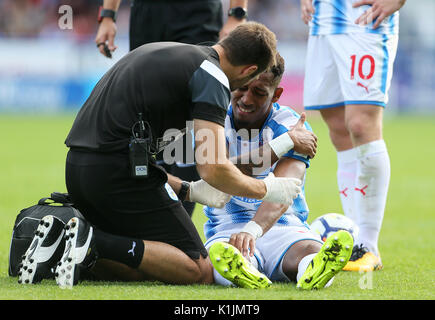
column 281, row 190
column 282, row 144
column 201, row 192
column 253, row 229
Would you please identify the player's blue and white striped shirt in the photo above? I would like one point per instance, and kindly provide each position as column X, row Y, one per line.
column 338, row 16
column 240, row 209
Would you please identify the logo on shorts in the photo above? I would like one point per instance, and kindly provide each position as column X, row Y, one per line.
column 132, row 249
column 359, row 84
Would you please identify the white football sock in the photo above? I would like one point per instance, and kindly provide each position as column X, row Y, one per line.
column 346, row 175
column 303, row 265
column 371, row 188
column 221, row 280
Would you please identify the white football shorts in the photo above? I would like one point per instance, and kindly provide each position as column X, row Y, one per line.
column 343, row 69
column 271, row 247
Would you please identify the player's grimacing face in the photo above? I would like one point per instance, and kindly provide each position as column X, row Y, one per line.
column 251, row 102
column 236, row 84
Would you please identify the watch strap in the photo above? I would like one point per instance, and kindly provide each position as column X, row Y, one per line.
column 238, row 12
column 183, row 190
column 106, row 13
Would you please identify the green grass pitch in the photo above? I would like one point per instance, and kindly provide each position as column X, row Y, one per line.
column 32, row 155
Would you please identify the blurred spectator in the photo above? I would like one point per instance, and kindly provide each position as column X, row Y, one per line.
column 281, row 16
column 35, row 22
column 39, row 18
column 22, row 18
column 35, row 18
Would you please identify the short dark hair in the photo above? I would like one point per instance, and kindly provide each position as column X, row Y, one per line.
column 277, row 70
column 250, row 43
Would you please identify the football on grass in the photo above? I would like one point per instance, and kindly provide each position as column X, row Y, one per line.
column 331, row 222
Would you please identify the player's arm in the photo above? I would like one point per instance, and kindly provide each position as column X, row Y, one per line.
column 302, row 141
column 379, row 10
column 217, row 170
column 199, row 191
column 268, row 213
column 233, row 22
column 175, row 183
column 107, row 29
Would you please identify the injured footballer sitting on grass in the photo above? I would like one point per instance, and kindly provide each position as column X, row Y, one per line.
column 253, row 242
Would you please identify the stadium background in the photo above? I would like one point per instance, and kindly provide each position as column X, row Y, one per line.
column 47, row 73
column 57, row 68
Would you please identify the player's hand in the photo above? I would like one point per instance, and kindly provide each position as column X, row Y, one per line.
column 379, row 10
column 106, row 35
column 305, row 142
column 229, row 26
column 201, row 192
column 307, row 10
column 245, row 242
column 281, row 190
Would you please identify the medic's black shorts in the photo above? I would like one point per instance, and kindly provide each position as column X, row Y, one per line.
column 186, row 21
column 101, row 188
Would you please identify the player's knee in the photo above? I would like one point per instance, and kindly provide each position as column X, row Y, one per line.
column 357, row 128
column 338, row 133
column 190, row 273
column 204, row 273
column 311, row 247
column 297, row 252
column 337, row 126
column 334, row 119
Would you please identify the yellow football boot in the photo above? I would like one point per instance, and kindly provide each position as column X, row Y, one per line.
column 331, row 258
column 229, row 262
column 363, row 260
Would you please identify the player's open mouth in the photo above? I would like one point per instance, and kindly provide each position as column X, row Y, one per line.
column 244, row 110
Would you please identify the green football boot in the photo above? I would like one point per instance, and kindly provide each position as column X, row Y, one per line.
column 231, row 265
column 331, row 258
